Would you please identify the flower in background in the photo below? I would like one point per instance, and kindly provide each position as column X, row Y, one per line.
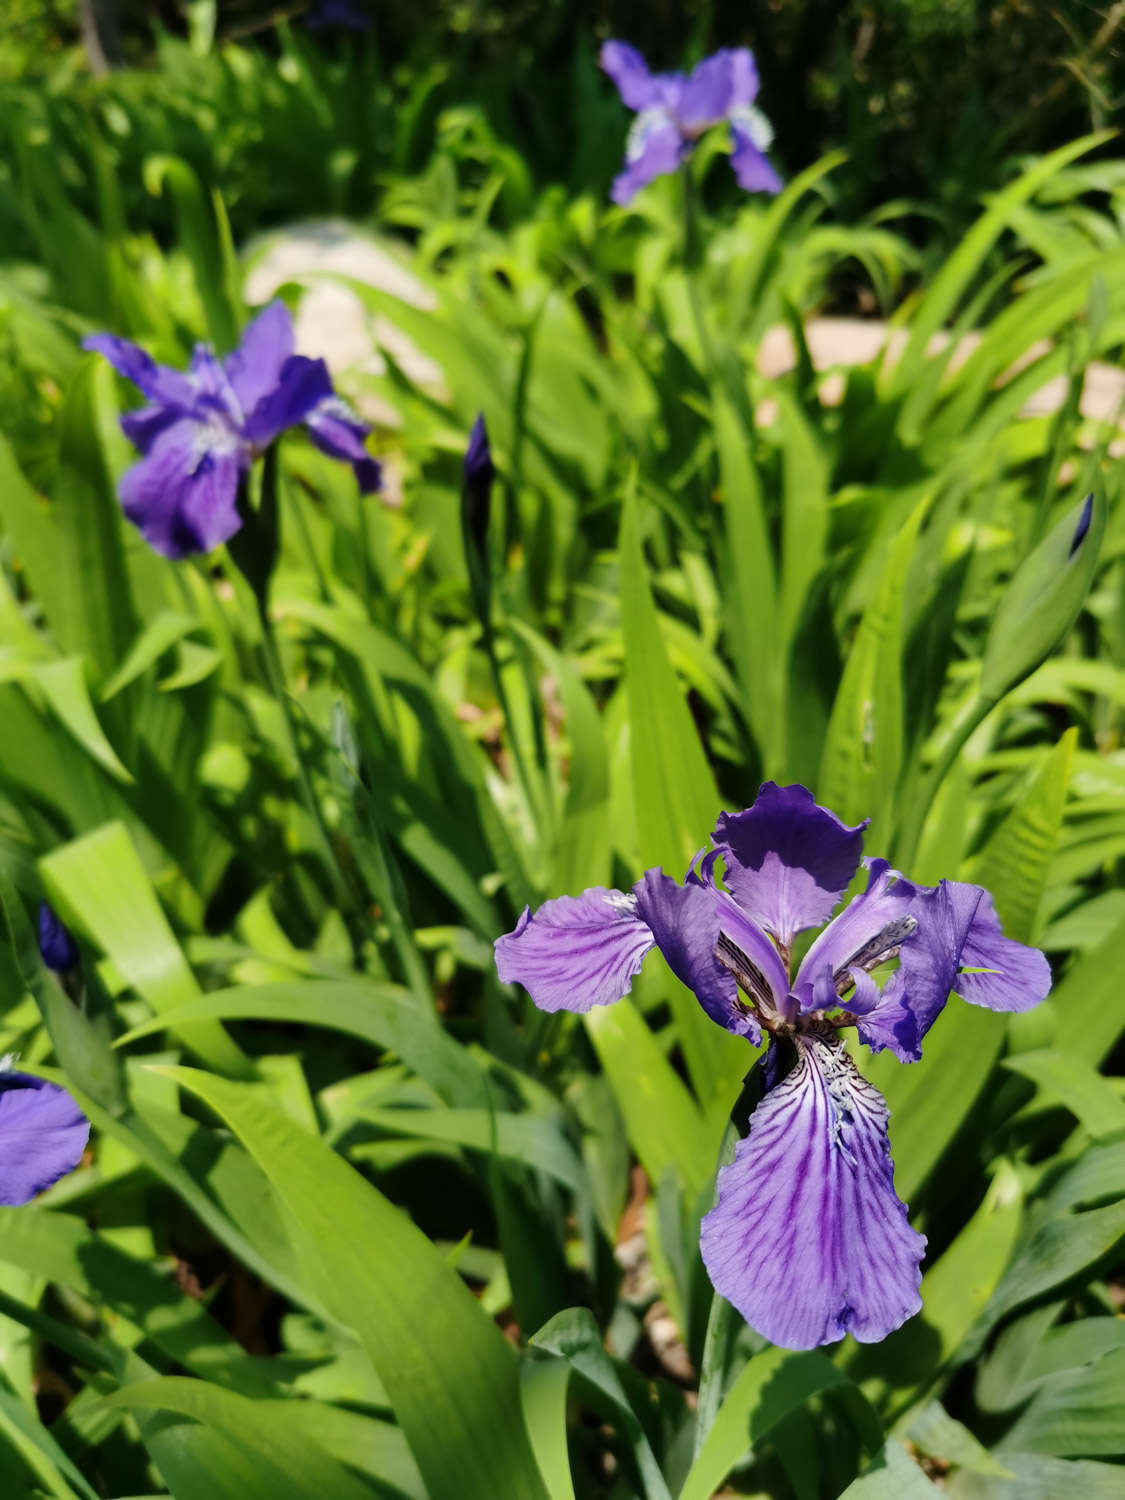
column 57, row 947
column 674, row 111
column 43, row 1134
column 344, row 13
column 807, row 1239
column 203, row 427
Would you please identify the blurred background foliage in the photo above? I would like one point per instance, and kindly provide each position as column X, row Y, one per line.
column 709, row 564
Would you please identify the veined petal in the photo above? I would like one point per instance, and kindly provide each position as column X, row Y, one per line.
column 808, row 1239
column 303, row 384
column 43, row 1134
column 685, row 923
column 655, row 147
column 159, row 383
column 752, row 169
column 1018, row 977
column 143, row 426
column 213, row 391
column 254, row 368
column 577, row 951
column 182, row 493
column 788, row 860
column 339, row 432
column 629, row 71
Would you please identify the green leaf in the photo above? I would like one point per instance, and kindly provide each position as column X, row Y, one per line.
column 64, row 686
column 1087, row 1000
column 39, row 1450
column 863, row 748
column 1061, row 1077
column 893, row 1475
column 543, row 1390
column 753, row 625
column 199, row 235
column 1039, row 1477
column 382, row 1014
column 158, row 635
column 662, row 1120
column 447, row 1368
column 530, row 1139
column 1043, row 599
column 1013, row 865
column 935, row 1433
column 1080, row 1413
column 99, row 886
column 1057, row 1252
column 573, row 1336
column 773, row 1384
column 258, row 1454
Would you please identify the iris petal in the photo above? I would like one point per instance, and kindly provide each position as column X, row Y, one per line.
column 788, row 860
column 685, row 924
column 1019, row 976
column 629, row 71
column 254, row 368
column 808, row 1239
column 182, row 494
column 43, row 1134
column 577, row 951
column 655, row 148
column 751, row 167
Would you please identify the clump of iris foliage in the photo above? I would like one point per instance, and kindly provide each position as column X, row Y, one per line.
column 358, row 1219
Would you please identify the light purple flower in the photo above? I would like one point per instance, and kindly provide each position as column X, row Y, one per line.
column 43, row 1134
column 808, row 1239
column 204, row 427
column 674, row 111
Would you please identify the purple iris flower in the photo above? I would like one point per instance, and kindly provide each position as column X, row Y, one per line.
column 43, row 1134
column 807, row 1239
column 333, row 13
column 674, row 111
column 204, row 426
column 57, row 947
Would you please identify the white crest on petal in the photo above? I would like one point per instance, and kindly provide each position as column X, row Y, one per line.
column 751, row 119
column 646, row 122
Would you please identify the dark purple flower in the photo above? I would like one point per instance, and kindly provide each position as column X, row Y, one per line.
column 203, row 428
column 57, row 947
column 343, row 13
column 808, row 1239
column 674, row 111
column 43, row 1134
column 478, row 473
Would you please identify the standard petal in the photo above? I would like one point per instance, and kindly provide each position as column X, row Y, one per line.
column 708, row 93
column 577, row 951
column 655, row 147
column 744, row 78
column 182, row 493
column 159, row 383
column 339, row 432
column 685, row 923
column 1017, row 976
column 254, row 368
column 808, row 1239
column 43, row 1134
column 629, row 71
column 788, row 860
column 301, row 386
column 750, row 165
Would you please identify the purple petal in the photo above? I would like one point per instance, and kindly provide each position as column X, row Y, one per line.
column 478, row 468
column 158, row 382
column 744, row 78
column 254, row 368
column 808, row 1239
column 302, row 385
column 629, row 71
column 182, row 493
column 43, row 1134
column 685, row 924
column 707, row 94
column 1020, row 976
column 143, row 426
column 924, row 926
column 337, row 431
column 657, row 148
column 751, row 168
column 788, row 861
column 57, row 947
column 214, row 393
column 577, row 951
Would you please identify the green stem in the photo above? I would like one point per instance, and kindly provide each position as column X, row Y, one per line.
column 692, row 260
column 81, row 1348
column 276, row 678
column 720, row 1325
